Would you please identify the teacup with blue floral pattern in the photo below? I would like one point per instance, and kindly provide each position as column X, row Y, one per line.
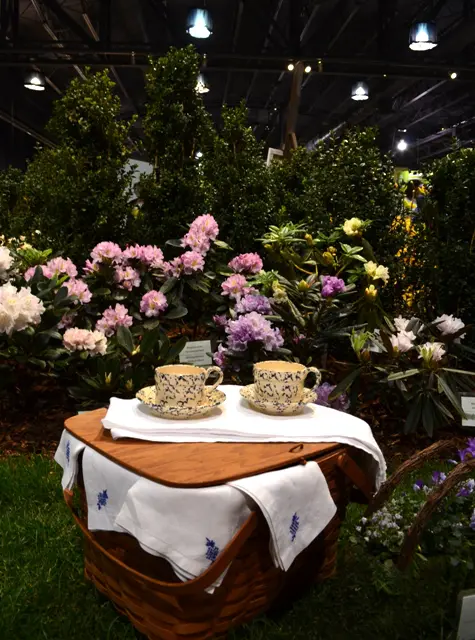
column 282, row 382
column 183, row 385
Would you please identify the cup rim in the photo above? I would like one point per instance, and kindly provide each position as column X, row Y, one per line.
column 180, row 370
column 280, row 366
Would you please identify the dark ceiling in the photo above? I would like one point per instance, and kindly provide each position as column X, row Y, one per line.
column 246, row 58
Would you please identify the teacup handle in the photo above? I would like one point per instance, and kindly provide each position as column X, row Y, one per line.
column 219, row 380
column 318, row 375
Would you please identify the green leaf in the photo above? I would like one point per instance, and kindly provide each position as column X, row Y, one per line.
column 400, row 375
column 103, row 291
column 413, row 416
column 176, row 312
column 428, row 417
column 174, row 243
column 51, row 333
column 151, row 324
column 222, row 245
column 125, row 339
column 149, row 340
column 176, row 349
column 168, row 285
column 459, row 371
column 39, row 363
column 344, row 385
column 445, row 387
column 61, row 295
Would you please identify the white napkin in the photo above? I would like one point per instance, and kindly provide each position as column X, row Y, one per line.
column 297, row 505
column 106, row 484
column 235, row 421
column 188, row 527
column 66, row 456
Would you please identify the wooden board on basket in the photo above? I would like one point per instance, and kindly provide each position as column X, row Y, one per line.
column 197, row 464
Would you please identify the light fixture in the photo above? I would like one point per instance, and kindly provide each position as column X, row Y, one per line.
column 199, row 154
column 423, row 36
column 453, row 75
column 308, row 68
column 35, row 81
column 202, row 85
column 360, row 91
column 290, row 66
column 199, row 23
column 402, row 145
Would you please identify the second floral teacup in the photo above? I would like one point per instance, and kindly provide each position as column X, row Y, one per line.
column 183, row 385
column 280, row 381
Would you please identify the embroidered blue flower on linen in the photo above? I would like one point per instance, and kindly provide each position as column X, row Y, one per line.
column 68, row 451
column 102, row 499
column 212, row 550
column 294, row 526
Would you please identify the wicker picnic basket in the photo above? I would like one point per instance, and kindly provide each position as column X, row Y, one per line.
column 144, row 587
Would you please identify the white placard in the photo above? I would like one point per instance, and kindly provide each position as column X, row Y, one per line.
column 466, row 630
column 196, row 352
column 468, row 406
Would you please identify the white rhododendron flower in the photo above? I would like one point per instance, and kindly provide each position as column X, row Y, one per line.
column 403, row 341
column 84, row 340
column 447, row 325
column 431, row 351
column 19, row 309
column 6, row 261
column 352, row 227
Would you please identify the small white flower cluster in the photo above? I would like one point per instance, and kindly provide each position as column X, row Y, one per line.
column 6, row 261
column 19, row 309
column 84, row 340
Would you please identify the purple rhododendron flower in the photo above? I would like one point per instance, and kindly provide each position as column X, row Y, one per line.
column 258, row 303
column 252, row 327
column 322, row 393
column 331, row 285
column 418, row 485
column 219, row 356
column 220, row 321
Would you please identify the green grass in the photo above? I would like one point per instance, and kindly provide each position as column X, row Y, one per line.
column 43, row 594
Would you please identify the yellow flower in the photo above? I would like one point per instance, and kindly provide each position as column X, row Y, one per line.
column 308, row 239
column 332, row 250
column 371, row 292
column 129, row 385
column 108, row 378
column 328, row 257
column 280, row 294
column 303, row 285
column 370, row 268
column 352, row 227
column 382, row 273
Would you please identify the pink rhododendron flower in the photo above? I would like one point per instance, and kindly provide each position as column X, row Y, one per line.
column 127, row 277
column 113, row 318
column 153, row 303
column 106, row 251
column 197, row 241
column 174, row 268
column 246, row 263
column 60, row 266
column 235, row 286
column 192, row 261
column 202, row 231
column 84, row 340
column 206, row 224
column 91, row 267
column 79, row 289
column 151, row 255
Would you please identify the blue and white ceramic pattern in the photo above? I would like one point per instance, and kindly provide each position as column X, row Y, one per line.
column 282, row 382
column 182, row 385
column 273, row 408
column 212, row 398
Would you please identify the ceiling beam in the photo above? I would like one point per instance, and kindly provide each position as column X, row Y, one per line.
column 25, row 128
column 67, row 20
column 236, row 29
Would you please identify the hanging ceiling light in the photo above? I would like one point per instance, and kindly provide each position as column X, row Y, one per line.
column 423, row 36
column 202, row 85
column 199, row 23
column 401, row 145
column 360, row 91
column 308, row 68
column 35, row 81
column 453, row 75
column 290, row 66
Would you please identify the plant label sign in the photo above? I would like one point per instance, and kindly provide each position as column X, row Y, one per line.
column 196, row 352
column 466, row 608
column 468, row 405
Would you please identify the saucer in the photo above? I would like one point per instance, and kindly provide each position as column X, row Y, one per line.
column 276, row 408
column 212, row 399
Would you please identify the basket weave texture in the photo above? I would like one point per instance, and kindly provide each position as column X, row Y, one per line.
column 144, row 587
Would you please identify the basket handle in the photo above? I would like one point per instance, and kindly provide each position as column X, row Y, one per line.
column 202, row 582
column 414, row 462
column 413, row 535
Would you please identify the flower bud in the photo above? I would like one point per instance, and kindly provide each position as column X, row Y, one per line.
column 309, row 239
column 303, row 285
column 371, row 292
